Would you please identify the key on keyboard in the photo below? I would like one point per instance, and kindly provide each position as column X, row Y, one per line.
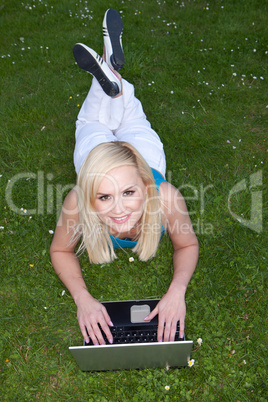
column 135, row 334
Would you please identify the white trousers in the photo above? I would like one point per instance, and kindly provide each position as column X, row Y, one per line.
column 105, row 119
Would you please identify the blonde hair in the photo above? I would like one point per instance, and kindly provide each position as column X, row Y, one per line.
column 95, row 236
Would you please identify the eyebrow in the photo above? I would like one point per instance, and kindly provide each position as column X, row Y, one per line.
column 130, row 188
column 123, row 191
column 102, row 194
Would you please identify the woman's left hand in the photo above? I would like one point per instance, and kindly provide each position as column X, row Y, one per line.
column 170, row 309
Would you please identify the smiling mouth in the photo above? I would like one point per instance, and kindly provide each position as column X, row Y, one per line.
column 122, row 219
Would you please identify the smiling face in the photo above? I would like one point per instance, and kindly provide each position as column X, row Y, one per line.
column 120, row 199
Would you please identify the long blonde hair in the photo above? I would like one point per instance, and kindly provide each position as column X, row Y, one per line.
column 95, row 236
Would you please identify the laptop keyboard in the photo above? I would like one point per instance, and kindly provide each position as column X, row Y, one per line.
column 135, row 334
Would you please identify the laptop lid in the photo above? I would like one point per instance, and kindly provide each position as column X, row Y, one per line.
column 134, row 355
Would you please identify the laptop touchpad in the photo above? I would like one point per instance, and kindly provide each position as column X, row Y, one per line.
column 138, row 313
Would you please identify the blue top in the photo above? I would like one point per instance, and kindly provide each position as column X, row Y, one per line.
column 125, row 243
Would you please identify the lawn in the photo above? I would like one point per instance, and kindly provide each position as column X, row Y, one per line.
column 200, row 70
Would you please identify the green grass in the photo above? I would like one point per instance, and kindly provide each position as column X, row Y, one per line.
column 201, row 73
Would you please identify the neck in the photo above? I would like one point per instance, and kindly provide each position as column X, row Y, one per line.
column 132, row 234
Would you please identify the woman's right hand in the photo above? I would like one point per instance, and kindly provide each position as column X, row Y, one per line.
column 91, row 313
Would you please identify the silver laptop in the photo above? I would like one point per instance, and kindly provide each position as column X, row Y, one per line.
column 135, row 345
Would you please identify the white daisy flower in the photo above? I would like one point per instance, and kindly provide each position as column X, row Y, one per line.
column 199, row 341
column 167, row 387
column 191, row 363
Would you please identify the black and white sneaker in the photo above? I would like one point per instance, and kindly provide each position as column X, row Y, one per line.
column 112, row 35
column 90, row 61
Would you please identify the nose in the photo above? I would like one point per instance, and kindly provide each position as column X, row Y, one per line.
column 118, row 207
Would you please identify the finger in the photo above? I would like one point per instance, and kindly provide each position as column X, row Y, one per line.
column 173, row 329
column 84, row 332
column 152, row 314
column 107, row 331
column 160, row 330
column 105, row 324
column 181, row 333
column 98, row 334
column 94, row 333
column 107, row 318
column 167, row 332
column 91, row 334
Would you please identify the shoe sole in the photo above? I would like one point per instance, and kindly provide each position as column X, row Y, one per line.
column 114, row 31
column 86, row 61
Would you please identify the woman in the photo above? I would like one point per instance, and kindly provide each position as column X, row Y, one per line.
column 122, row 198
